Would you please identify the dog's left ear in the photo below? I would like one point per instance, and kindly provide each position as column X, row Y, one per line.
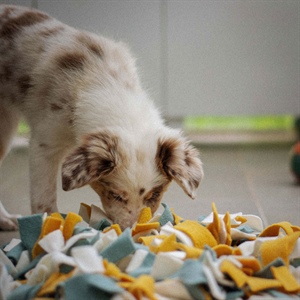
column 94, row 159
column 180, row 161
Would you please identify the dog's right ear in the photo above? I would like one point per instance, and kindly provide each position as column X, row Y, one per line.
column 94, row 159
column 180, row 161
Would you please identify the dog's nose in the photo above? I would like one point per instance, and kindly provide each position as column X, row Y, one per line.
column 128, row 222
column 125, row 225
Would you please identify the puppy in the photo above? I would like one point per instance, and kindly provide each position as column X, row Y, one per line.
column 81, row 96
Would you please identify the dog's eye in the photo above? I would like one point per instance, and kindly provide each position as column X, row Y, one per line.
column 152, row 198
column 117, row 197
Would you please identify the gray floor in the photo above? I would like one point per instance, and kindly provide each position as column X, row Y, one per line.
column 251, row 179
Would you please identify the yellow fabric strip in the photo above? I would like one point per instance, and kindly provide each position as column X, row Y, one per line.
column 249, row 262
column 284, row 276
column 57, row 215
column 281, row 247
column 257, row 284
column 177, row 219
column 140, row 227
column 145, row 215
column 241, row 219
column 147, row 240
column 116, row 227
column 223, row 249
column 199, row 234
column 50, row 224
column 274, row 229
column 113, row 271
column 191, row 252
column 168, row 244
column 51, row 283
column 227, row 222
column 295, row 228
column 71, row 220
column 143, row 286
column 215, row 226
column 234, row 272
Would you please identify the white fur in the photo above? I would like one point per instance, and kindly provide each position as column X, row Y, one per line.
column 80, row 93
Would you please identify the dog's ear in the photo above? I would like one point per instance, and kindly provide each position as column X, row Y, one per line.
column 180, row 161
column 94, row 159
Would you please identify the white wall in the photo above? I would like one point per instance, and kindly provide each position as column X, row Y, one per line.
column 16, row 2
column 233, row 57
column 203, row 57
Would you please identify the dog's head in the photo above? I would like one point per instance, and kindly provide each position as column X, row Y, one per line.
column 128, row 174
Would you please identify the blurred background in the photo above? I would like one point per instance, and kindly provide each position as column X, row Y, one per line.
column 227, row 73
column 202, row 58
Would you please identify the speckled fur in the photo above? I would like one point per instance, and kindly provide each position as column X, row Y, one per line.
column 81, row 96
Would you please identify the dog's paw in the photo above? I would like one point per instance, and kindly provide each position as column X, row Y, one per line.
column 9, row 222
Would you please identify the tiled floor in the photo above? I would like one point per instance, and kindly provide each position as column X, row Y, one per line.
column 250, row 179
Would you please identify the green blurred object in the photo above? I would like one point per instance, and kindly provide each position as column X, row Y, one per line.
column 258, row 123
column 23, row 129
column 295, row 161
column 297, row 126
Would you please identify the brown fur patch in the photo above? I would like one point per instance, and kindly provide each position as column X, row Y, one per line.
column 102, row 139
column 1, row 153
column 165, row 153
column 152, row 199
column 71, row 60
column 92, row 45
column 155, row 193
column 105, row 166
column 194, row 183
column 7, row 11
column 66, row 182
column 55, row 107
column 28, row 18
column 178, row 160
column 120, row 196
column 50, row 31
column 96, row 158
column 6, row 73
column 24, row 84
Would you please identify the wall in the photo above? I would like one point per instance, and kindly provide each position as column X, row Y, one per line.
column 202, row 57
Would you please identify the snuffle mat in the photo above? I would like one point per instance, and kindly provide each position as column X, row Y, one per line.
column 84, row 256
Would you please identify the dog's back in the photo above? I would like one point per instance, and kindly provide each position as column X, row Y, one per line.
column 19, row 51
column 43, row 61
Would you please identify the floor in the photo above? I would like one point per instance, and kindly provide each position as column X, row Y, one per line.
column 238, row 178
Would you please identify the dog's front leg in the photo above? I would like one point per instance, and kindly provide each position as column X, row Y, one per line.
column 44, row 163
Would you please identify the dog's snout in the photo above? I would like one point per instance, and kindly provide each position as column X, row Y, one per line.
column 126, row 224
column 129, row 219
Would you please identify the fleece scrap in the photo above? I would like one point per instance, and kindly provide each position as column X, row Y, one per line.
column 84, row 256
